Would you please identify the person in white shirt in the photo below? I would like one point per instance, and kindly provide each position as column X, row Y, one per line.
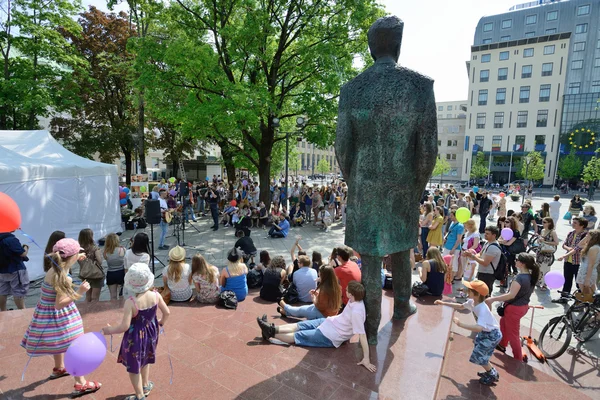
column 164, row 226
column 327, row 332
column 555, row 209
column 177, row 276
column 324, row 219
column 487, row 328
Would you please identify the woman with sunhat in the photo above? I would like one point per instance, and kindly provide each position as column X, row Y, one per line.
column 177, row 276
column 56, row 321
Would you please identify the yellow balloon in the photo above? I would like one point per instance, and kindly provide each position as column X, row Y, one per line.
column 463, row 214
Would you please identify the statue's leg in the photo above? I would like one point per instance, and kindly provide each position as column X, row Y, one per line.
column 401, row 281
column 371, row 279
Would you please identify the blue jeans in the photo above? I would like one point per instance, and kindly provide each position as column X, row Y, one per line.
column 200, row 206
column 164, row 227
column 189, row 210
column 274, row 233
column 214, row 211
column 309, row 312
column 308, row 335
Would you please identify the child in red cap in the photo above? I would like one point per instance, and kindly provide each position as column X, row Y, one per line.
column 487, row 328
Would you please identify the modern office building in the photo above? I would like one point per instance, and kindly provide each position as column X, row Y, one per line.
column 310, row 155
column 534, row 82
column 451, row 123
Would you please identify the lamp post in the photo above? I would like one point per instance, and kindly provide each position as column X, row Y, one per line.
column 527, row 162
column 300, row 124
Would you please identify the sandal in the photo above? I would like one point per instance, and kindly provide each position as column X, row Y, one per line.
column 147, row 389
column 134, row 397
column 88, row 387
column 58, row 373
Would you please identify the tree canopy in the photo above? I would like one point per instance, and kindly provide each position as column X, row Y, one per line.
column 536, row 168
column 442, row 166
column 479, row 167
column 570, row 167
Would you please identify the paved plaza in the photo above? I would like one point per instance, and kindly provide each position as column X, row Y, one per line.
column 220, row 352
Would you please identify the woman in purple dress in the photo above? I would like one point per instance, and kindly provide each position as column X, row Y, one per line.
column 141, row 327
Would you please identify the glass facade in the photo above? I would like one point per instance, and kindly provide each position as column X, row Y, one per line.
column 580, row 113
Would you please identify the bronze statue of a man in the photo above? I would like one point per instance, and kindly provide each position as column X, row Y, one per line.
column 386, row 147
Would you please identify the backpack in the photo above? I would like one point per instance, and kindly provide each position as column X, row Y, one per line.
column 500, row 269
column 6, row 256
column 254, row 278
column 228, row 299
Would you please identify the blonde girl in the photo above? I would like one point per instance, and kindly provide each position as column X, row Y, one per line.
column 114, row 254
column 233, row 277
column 178, row 276
column 206, row 280
column 434, row 237
column 56, row 321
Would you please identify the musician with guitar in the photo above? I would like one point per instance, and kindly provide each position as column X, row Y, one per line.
column 166, row 218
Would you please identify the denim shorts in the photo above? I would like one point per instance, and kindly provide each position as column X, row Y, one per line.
column 308, row 335
column 15, row 283
column 485, row 343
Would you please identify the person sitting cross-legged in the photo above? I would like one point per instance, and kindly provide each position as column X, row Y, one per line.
column 280, row 228
column 327, row 332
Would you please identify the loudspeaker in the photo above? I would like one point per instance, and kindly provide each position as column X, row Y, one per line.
column 153, row 214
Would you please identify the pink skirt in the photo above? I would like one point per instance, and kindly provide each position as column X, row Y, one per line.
column 447, row 288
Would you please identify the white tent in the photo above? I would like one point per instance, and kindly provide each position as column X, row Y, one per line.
column 56, row 190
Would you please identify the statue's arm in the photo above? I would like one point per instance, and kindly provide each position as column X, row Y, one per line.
column 426, row 147
column 344, row 136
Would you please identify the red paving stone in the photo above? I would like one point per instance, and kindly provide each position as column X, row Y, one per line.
column 573, row 375
column 219, row 354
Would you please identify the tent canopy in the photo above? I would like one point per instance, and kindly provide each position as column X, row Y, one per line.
column 56, row 190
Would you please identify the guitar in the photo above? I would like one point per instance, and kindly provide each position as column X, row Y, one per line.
column 167, row 216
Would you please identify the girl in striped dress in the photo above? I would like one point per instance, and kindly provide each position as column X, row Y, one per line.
column 56, row 322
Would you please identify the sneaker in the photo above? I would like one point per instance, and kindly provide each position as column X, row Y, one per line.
column 500, row 348
column 562, row 300
column 490, row 378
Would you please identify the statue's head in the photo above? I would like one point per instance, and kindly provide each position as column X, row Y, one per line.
column 385, row 37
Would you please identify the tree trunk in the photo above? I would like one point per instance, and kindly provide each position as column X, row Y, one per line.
column 141, row 145
column 227, row 155
column 175, row 169
column 264, row 177
column 127, row 155
column 4, row 110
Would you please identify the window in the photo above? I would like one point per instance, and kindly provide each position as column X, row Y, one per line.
column 503, row 55
column 440, row 116
column 581, row 28
column 480, row 124
column 529, row 34
column 448, row 115
column 500, row 95
column 520, row 142
column 577, row 64
column 598, row 44
column 447, row 156
column 496, row 143
column 452, row 143
column 579, row 46
column 487, row 27
column 583, row 10
column 487, row 41
column 507, row 23
column 545, row 93
column 530, row 19
column 597, row 62
column 524, row 94
column 548, row 50
column 502, row 74
column 479, row 141
column 498, row 120
column 528, row 53
column 526, row 71
column 595, row 86
column 547, row 69
column 449, row 108
column 440, row 108
column 522, row 119
column 574, row 88
column 485, row 58
column 552, row 16
column 439, row 142
column 483, row 96
column 484, row 75
column 542, row 119
column 550, row 31
column 504, row 38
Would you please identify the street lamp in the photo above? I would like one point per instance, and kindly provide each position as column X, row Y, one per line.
column 527, row 162
column 300, row 124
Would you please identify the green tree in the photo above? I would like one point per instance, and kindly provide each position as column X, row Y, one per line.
column 36, row 60
column 294, row 163
column 442, row 166
column 536, row 168
column 245, row 63
column 479, row 167
column 591, row 171
column 570, row 166
column 323, row 166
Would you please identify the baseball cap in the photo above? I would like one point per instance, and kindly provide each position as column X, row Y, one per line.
column 478, row 286
column 67, row 247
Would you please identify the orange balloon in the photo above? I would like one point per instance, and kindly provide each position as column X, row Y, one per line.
column 10, row 215
column 233, row 203
column 502, row 194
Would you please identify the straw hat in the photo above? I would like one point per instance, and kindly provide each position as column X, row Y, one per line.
column 177, row 253
column 139, row 278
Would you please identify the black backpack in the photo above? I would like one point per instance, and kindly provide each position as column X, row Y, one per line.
column 500, row 269
column 6, row 257
column 228, row 299
column 254, row 278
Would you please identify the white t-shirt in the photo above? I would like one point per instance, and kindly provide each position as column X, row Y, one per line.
column 468, row 237
column 554, row 207
column 342, row 327
column 163, row 204
column 485, row 319
column 180, row 291
column 131, row 258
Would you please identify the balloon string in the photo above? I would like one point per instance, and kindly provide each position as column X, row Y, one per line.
column 25, row 369
column 162, row 332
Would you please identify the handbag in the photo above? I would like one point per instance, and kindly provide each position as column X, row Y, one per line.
column 547, row 248
column 291, row 295
column 567, row 216
column 518, row 246
column 90, row 269
column 500, row 309
column 165, row 293
column 419, row 289
column 228, row 299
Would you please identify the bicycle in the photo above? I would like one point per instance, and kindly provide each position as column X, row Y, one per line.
column 582, row 320
column 533, row 246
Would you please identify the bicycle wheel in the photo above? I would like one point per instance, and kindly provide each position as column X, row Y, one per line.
column 591, row 325
column 555, row 337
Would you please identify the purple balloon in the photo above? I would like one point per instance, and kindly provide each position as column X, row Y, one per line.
column 245, row 182
column 120, row 189
column 85, row 354
column 554, row 279
column 173, row 192
column 507, row 234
